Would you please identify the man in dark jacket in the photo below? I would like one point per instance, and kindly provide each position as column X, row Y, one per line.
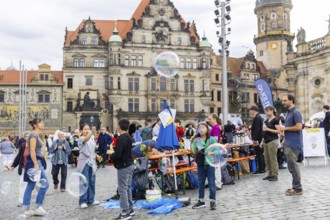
column 326, row 125
column 104, row 140
column 256, row 136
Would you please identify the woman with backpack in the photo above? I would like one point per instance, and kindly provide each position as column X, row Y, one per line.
column 199, row 148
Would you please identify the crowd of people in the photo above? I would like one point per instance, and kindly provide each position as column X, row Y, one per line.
column 276, row 141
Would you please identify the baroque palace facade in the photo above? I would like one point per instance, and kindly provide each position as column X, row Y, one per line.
column 113, row 61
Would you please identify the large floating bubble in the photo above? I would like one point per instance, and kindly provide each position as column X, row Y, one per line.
column 167, row 64
column 5, row 187
column 216, row 155
column 34, row 174
column 77, row 184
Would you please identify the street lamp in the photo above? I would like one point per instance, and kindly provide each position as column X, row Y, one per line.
column 222, row 20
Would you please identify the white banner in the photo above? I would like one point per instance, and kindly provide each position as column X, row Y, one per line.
column 314, row 142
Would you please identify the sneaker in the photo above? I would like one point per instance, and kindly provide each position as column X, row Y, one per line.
column 83, row 206
column 266, row 178
column 273, row 178
column 218, row 188
column 132, row 212
column 213, row 205
column 124, row 217
column 40, row 211
column 298, row 191
column 29, row 213
column 55, row 186
column 19, row 204
column 199, row 205
column 62, row 190
column 95, row 202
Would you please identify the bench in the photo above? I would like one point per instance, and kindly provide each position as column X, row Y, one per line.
column 181, row 164
column 236, row 160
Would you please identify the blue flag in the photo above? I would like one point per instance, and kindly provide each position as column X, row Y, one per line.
column 264, row 92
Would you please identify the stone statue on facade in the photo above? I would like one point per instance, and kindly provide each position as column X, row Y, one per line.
column 88, row 103
column 301, row 36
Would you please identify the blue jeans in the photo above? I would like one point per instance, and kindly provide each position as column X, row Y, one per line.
column 208, row 172
column 30, row 187
column 88, row 197
column 328, row 143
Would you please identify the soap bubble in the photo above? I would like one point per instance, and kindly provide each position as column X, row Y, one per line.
column 164, row 165
column 216, row 155
column 5, row 187
column 167, row 64
column 77, row 184
column 20, row 217
column 43, row 183
column 34, row 174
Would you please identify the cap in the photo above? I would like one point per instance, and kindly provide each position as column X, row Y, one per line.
column 254, row 107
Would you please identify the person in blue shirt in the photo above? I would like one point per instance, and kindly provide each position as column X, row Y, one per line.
column 104, row 140
column 293, row 142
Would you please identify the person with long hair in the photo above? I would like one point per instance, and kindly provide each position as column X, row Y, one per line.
column 20, row 161
column 87, row 165
column 35, row 160
column 216, row 123
column 270, row 143
column 199, row 147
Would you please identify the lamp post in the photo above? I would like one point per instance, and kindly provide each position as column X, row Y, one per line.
column 222, row 20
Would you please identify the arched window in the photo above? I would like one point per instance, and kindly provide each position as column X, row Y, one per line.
column 2, row 96
column 273, row 15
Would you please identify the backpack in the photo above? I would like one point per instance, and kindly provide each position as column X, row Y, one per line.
column 192, row 180
column 140, row 176
column 228, row 174
column 169, row 184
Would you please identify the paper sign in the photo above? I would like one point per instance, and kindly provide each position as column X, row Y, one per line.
column 166, row 118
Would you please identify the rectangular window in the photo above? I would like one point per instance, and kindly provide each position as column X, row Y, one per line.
column 70, row 83
column 186, row 105
column 212, row 96
column 89, row 81
column 182, row 63
column 69, row 107
column 76, row 62
column 217, row 77
column 188, row 63
column 110, row 82
column 162, row 83
column 133, row 60
column 255, row 77
column 172, row 84
column 136, row 84
column 96, row 63
column 153, row 105
column 46, row 77
column 118, row 59
column 274, row 25
column 194, row 63
column 140, row 63
column 204, row 83
column 143, row 39
column 111, row 59
column 179, row 41
column 172, row 103
column 126, row 60
column 203, row 63
column 192, row 105
column 84, row 41
column 186, row 85
column 211, row 110
column 153, row 84
column 219, row 111
column 247, row 97
column 133, row 104
column 81, row 63
column 2, row 97
column 93, row 41
column 192, row 86
column 43, row 98
column 219, row 96
column 106, row 83
column 256, row 98
column 119, row 84
column 130, row 84
column 42, row 78
column 161, row 104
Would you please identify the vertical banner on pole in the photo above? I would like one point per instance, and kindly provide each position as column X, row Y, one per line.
column 264, row 92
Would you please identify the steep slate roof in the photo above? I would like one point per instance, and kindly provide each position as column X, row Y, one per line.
column 12, row 76
column 106, row 27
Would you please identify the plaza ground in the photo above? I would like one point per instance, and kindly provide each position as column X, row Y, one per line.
column 249, row 198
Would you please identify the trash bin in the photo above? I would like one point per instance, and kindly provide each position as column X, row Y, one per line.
column 253, row 165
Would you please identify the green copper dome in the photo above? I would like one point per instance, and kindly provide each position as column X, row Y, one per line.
column 115, row 36
column 204, row 42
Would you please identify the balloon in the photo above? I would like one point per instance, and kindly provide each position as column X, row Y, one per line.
column 167, row 64
column 77, row 184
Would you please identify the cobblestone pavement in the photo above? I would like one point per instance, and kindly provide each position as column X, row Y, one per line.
column 249, row 198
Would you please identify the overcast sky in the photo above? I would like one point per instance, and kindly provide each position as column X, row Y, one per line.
column 33, row 30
